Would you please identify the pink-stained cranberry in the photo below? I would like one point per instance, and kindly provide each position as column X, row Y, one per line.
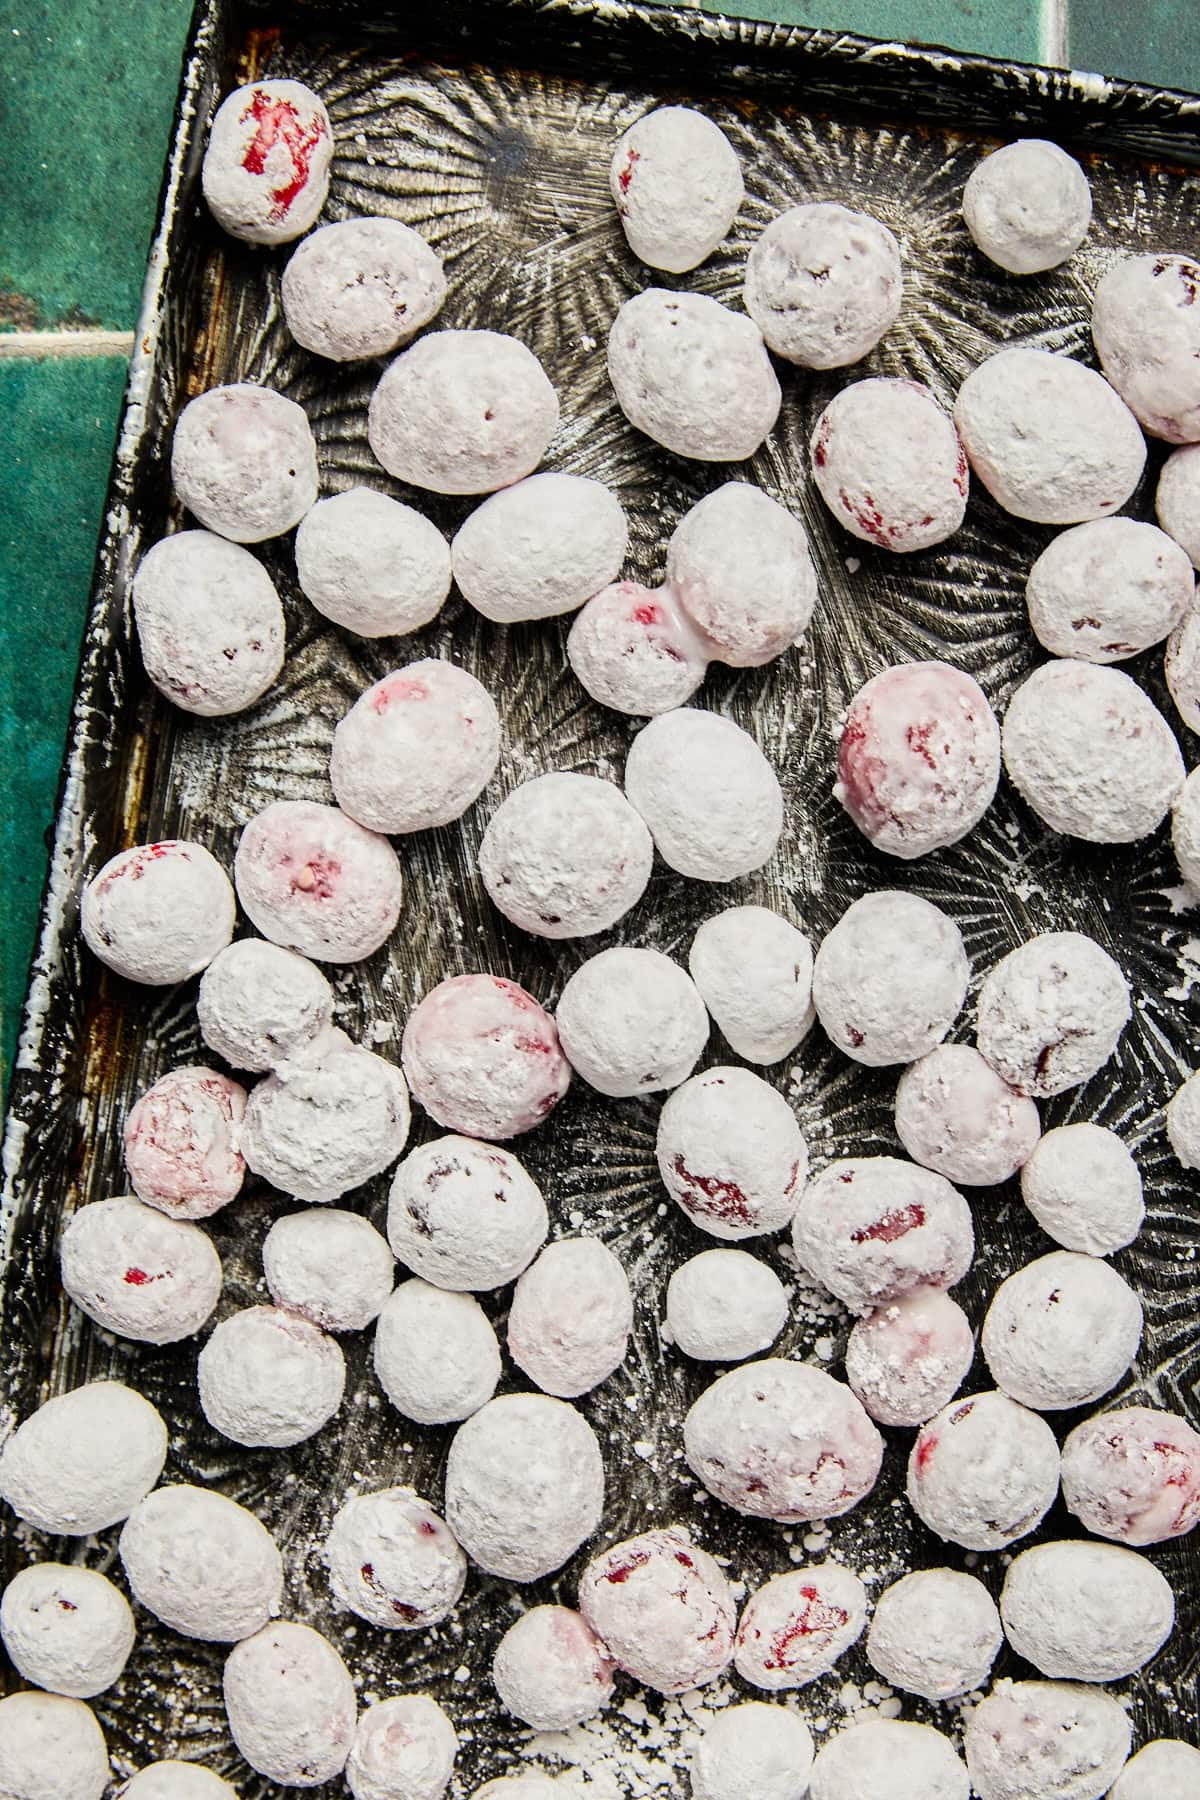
column 633, row 650
column 796, row 1627
column 181, row 1143
column 1133, row 1475
column 483, row 1057
column 312, row 879
column 919, row 758
column 663, row 1609
column 779, row 1440
column 906, row 1360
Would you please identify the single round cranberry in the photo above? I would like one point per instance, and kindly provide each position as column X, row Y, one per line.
column 919, row 758
column 483, row 1058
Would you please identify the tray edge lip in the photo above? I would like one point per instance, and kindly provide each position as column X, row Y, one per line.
column 1084, row 92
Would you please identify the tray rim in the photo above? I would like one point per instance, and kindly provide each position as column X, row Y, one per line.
column 1078, row 96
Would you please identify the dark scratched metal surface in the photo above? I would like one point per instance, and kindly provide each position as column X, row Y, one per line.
column 493, row 138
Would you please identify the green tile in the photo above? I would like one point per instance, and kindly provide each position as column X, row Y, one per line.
column 1004, row 28
column 1155, row 40
column 87, row 94
column 60, row 421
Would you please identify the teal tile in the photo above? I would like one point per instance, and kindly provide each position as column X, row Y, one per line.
column 1004, row 28
column 1155, row 40
column 87, row 94
column 60, row 419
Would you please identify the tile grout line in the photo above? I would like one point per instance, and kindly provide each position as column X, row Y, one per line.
column 66, row 343
column 1054, row 34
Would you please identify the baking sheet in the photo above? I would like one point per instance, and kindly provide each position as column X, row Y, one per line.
column 489, row 128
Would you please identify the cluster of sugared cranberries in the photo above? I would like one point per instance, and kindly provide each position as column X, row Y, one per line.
column 567, row 854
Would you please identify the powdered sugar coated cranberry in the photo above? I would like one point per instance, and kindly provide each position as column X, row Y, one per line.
column 739, row 565
column 462, row 412
column 693, row 375
column 779, row 1440
column 565, row 855
column 888, row 464
column 540, row 547
column 892, row 1757
column 266, row 168
column 371, row 564
column 138, row 1274
column 919, row 758
column 177, row 1781
column 465, row 1215
column 83, row 1460
column 331, row 1266
column 824, row 284
column 908, row 1358
column 158, row 913
column 1165, row 1769
column 753, row 1752
column 436, row 1355
column 1133, row 1475
column 260, row 1005
column 677, row 185
column 1147, row 336
column 935, row 1633
column 731, row 1153
column 404, row 1749
column 182, row 1143
column 360, row 288
column 711, row 799
column 1185, row 830
column 201, row 1564
column 797, row 1626
column 1083, row 1187
column 663, row 1609
column 269, row 1377
column 314, row 880
column 244, row 462
column 1091, row 753
column 66, row 1629
column 890, row 979
column 394, row 1561
column 1061, row 1331
column 1051, row 1012
column 417, row 749
column 1105, row 590
column 983, row 1472
column 51, row 1747
column 1182, row 1120
column 753, row 969
column 1182, row 667
column 631, row 1022
column 724, row 1305
column 322, row 1125
column 524, row 1485
column 1177, row 499
column 209, row 622
column 483, row 1057
column 1086, row 1612
column 1046, row 1740
column 873, row 1228
column 570, row 1317
column 291, row 1704
column 550, row 1669
column 1049, row 438
column 633, row 649
column 955, row 1114
column 1028, row 206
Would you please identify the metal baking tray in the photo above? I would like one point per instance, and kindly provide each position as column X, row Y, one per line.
column 487, row 124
